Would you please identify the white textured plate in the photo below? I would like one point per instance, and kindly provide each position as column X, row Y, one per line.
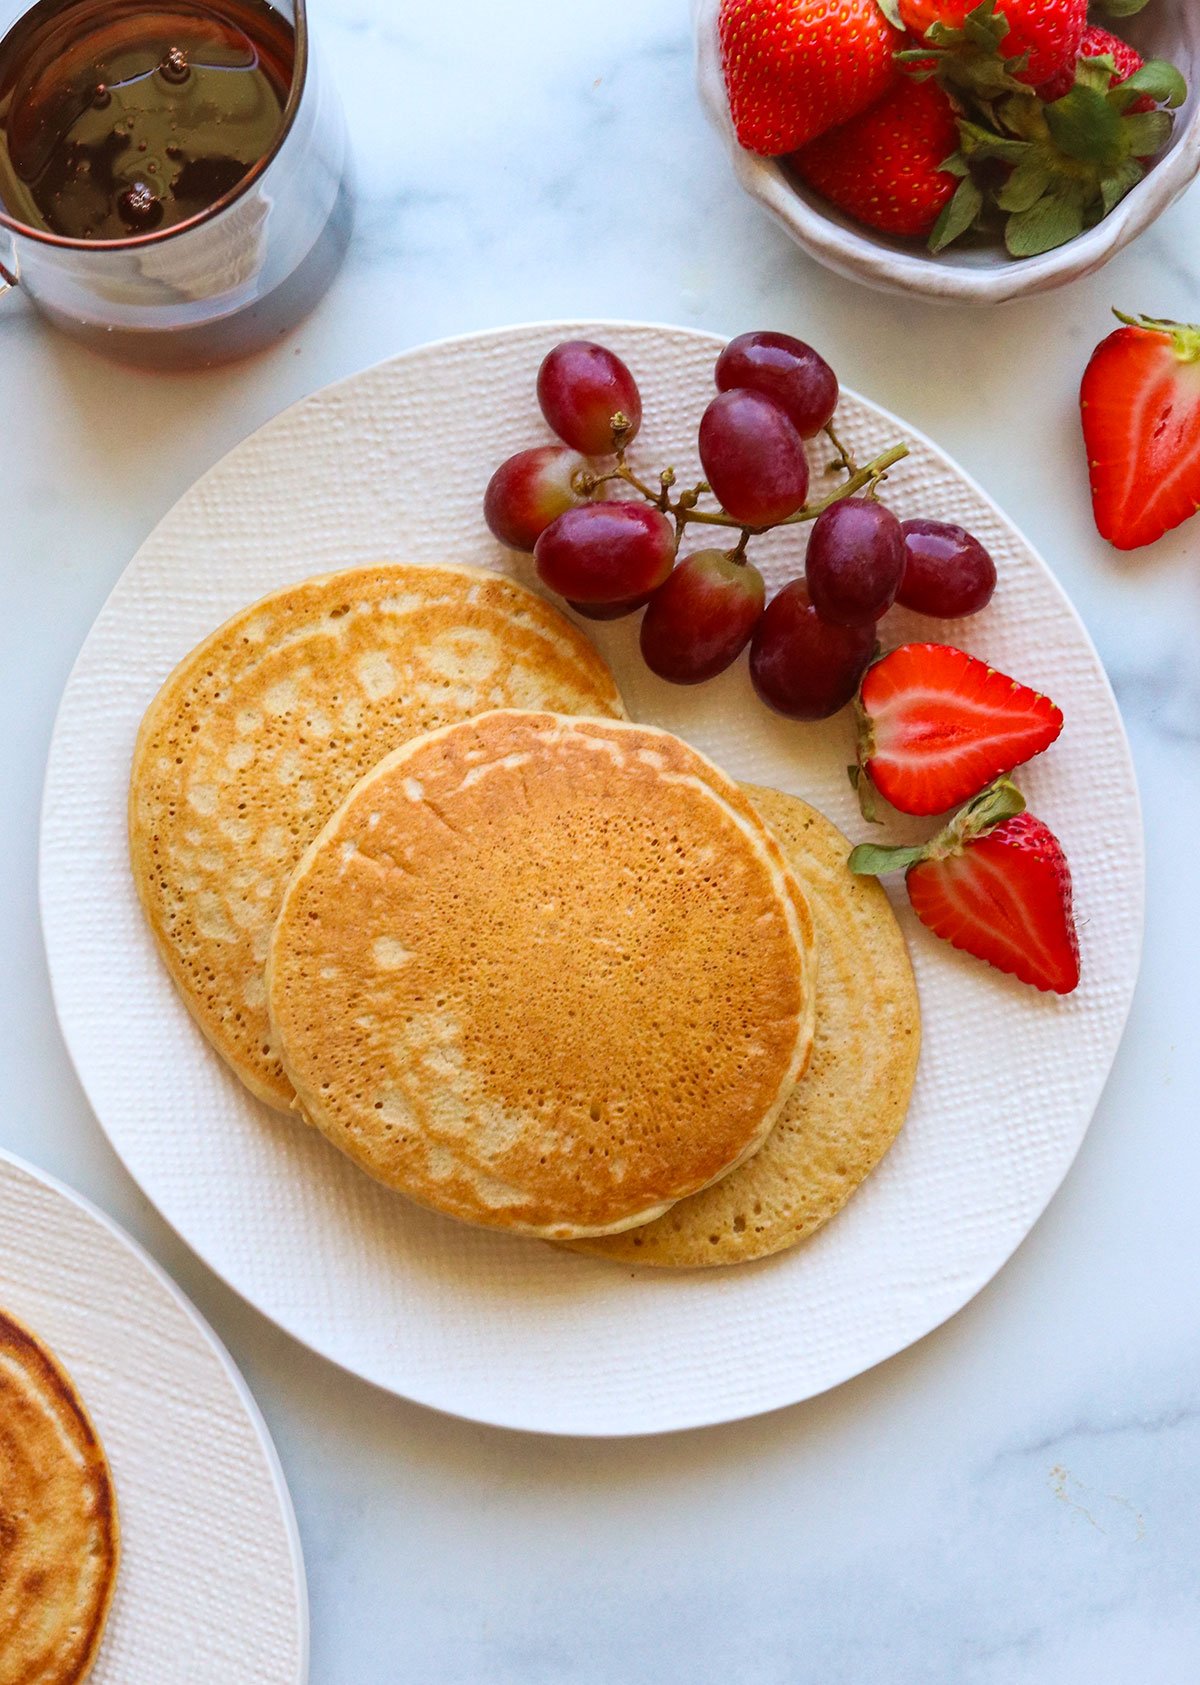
column 394, row 463
column 211, row 1583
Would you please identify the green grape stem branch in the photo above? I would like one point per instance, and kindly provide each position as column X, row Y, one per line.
column 684, row 509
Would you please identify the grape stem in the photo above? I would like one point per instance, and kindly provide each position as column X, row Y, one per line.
column 683, row 510
column 843, row 458
column 862, row 478
column 661, row 499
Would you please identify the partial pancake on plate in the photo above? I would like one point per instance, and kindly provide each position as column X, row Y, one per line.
column 545, row 975
column 846, row 1113
column 264, row 729
column 59, row 1538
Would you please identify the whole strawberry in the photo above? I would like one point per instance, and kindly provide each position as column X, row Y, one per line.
column 1100, row 43
column 1049, row 31
column 995, row 884
column 884, row 168
column 794, row 68
column 1141, row 425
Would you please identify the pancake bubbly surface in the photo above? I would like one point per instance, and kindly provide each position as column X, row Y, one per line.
column 263, row 730
column 544, row 975
column 58, row 1520
column 846, row 1113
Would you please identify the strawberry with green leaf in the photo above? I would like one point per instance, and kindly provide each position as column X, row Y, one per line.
column 1050, row 171
column 1059, row 121
column 794, row 68
column 995, row 884
column 1034, row 39
column 1100, row 44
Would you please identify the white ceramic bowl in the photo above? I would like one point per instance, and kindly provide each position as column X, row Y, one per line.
column 1168, row 29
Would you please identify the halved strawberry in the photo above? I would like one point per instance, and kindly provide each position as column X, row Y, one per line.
column 1141, row 425
column 794, row 68
column 936, row 725
column 995, row 884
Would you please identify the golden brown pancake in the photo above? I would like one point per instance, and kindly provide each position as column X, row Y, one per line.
column 842, row 1118
column 545, row 975
column 264, row 729
column 59, row 1538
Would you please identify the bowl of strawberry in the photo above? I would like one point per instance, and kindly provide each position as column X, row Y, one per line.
column 966, row 150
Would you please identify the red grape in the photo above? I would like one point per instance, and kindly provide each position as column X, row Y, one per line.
column 701, row 620
column 947, row 574
column 780, row 367
column 581, row 387
column 753, row 458
column 803, row 667
column 610, row 611
column 855, row 562
column 606, row 552
column 529, row 491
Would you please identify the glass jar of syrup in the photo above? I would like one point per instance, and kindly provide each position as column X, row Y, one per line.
column 173, row 177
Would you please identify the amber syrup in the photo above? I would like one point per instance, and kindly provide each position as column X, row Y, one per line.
column 121, row 118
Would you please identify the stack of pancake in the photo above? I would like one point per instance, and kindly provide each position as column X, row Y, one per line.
column 59, row 1537
column 532, row 965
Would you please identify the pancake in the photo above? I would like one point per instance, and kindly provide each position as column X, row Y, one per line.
column 264, row 729
column 544, row 975
column 847, row 1112
column 59, row 1539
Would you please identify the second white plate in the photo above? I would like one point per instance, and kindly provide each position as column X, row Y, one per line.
column 393, row 463
column 211, row 1582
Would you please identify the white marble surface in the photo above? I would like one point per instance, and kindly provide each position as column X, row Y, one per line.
column 1015, row 1501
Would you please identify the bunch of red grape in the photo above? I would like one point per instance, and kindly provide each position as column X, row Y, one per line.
column 609, row 543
